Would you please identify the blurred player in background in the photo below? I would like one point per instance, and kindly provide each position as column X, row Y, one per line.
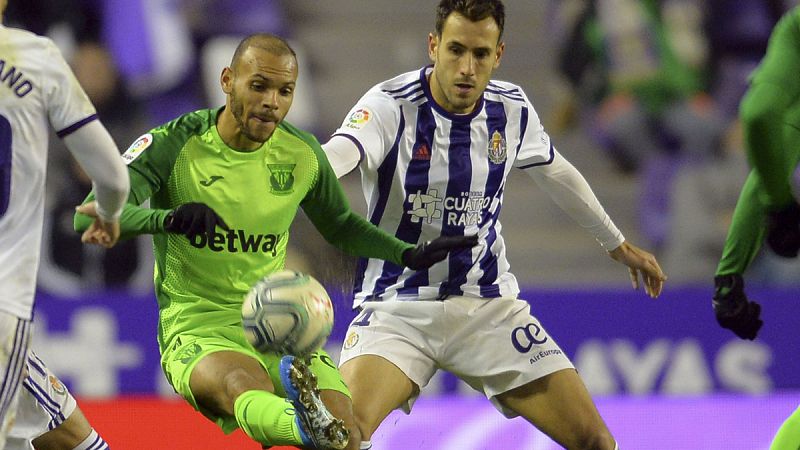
column 767, row 208
column 38, row 90
column 245, row 164
column 435, row 148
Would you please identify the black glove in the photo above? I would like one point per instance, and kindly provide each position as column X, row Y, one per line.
column 429, row 253
column 193, row 219
column 783, row 231
column 732, row 308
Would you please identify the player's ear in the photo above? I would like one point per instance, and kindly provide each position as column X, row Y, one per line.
column 226, row 80
column 433, row 43
column 501, row 46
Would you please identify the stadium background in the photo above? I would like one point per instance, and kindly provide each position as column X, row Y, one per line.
column 664, row 375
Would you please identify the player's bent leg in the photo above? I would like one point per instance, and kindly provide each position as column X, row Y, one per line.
column 788, row 435
column 560, row 406
column 378, row 387
column 233, row 384
column 14, row 342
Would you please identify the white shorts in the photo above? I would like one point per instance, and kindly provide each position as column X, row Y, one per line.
column 44, row 403
column 14, row 342
column 494, row 345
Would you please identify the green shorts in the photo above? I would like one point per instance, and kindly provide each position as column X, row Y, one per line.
column 187, row 349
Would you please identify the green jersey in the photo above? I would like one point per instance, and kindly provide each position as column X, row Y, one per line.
column 201, row 282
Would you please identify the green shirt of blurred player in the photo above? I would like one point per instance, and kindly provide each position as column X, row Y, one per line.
column 767, row 209
column 253, row 171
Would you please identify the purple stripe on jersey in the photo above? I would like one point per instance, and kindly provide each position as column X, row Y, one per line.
column 496, row 121
column 385, row 178
column 75, row 126
column 417, row 98
column 355, row 141
column 402, row 88
column 502, row 89
column 11, row 379
column 417, row 90
column 454, row 222
column 48, row 404
column 416, row 183
column 518, row 98
column 36, row 364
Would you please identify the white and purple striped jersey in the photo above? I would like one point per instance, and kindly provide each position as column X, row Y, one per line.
column 428, row 173
column 37, row 89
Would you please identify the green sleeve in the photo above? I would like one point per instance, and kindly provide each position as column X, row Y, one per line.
column 328, row 209
column 765, row 112
column 747, row 229
column 149, row 170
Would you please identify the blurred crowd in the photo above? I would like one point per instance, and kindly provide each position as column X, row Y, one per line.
column 653, row 84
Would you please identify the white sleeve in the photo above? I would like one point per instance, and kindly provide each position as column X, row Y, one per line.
column 97, row 154
column 372, row 126
column 536, row 148
column 567, row 187
column 343, row 154
column 68, row 106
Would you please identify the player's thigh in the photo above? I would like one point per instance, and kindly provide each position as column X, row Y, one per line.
column 560, row 406
column 378, row 387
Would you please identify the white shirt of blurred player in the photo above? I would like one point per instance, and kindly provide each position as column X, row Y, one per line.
column 37, row 89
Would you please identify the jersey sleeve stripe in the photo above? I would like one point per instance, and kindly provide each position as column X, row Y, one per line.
column 542, row 163
column 75, row 126
column 355, row 141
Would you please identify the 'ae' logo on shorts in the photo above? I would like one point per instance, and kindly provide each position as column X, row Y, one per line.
column 524, row 338
column 188, row 353
column 281, row 178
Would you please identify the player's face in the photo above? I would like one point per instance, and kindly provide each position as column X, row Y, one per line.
column 464, row 57
column 260, row 91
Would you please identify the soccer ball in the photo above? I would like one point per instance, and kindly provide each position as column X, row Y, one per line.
column 287, row 312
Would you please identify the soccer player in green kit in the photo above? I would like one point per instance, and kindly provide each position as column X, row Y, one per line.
column 767, row 209
column 224, row 186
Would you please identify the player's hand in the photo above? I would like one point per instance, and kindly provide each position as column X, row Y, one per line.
column 429, row 253
column 783, row 230
column 192, row 219
column 732, row 308
column 100, row 232
column 642, row 263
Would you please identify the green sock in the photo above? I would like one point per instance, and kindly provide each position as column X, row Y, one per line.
column 788, row 435
column 267, row 418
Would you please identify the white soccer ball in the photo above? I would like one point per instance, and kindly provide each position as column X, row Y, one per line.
column 287, row 312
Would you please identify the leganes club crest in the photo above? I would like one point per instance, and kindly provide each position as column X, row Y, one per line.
column 281, row 178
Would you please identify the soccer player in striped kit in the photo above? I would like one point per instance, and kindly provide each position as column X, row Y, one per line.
column 435, row 147
column 38, row 90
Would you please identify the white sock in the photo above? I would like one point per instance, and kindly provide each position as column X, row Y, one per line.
column 92, row 442
column 366, row 445
column 616, row 446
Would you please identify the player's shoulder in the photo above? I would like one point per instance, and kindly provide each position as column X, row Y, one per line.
column 30, row 46
column 401, row 88
column 506, row 92
column 192, row 123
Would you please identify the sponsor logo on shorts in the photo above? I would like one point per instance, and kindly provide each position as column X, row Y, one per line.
column 188, row 353
column 136, row 149
column 56, row 384
column 524, row 338
column 544, row 353
column 351, row 340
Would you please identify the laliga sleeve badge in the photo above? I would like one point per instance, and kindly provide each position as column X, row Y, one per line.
column 358, row 118
column 136, row 149
column 351, row 340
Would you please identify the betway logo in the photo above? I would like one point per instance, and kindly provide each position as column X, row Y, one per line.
column 234, row 241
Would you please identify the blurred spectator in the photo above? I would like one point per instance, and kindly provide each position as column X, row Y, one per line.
column 640, row 70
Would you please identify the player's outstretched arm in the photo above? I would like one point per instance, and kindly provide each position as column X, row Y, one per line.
column 732, row 308
column 640, row 262
column 429, row 253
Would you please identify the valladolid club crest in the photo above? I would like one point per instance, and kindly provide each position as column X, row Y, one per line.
column 497, row 148
column 281, row 178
